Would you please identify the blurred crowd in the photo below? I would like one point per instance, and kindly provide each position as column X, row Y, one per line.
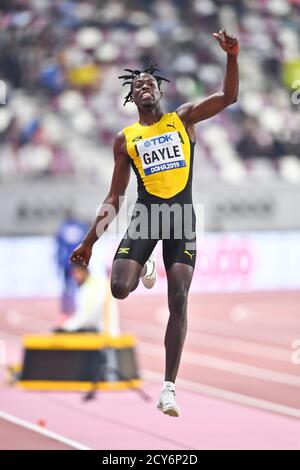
column 62, row 102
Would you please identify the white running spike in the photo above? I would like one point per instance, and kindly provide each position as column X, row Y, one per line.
column 167, row 403
column 149, row 278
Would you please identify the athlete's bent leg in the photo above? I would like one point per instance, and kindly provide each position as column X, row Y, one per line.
column 179, row 280
column 125, row 277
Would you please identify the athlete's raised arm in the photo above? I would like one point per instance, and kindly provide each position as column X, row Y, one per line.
column 191, row 113
column 111, row 204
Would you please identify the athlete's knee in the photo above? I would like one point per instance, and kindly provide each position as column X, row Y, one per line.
column 120, row 288
column 178, row 302
column 134, row 285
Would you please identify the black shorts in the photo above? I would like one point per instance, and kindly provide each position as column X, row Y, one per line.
column 178, row 237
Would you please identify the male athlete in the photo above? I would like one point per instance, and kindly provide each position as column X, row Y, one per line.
column 159, row 148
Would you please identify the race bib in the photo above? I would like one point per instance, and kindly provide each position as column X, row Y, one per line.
column 161, row 153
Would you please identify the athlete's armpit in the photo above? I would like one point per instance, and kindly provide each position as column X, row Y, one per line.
column 121, row 173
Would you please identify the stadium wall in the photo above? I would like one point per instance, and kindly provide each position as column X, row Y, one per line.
column 228, row 262
column 37, row 207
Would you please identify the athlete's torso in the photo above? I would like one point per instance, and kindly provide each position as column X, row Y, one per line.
column 162, row 158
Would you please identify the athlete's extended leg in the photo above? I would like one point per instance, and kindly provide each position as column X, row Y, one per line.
column 179, row 280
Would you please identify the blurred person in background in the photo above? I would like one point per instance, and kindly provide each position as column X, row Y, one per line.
column 160, row 148
column 95, row 309
column 69, row 234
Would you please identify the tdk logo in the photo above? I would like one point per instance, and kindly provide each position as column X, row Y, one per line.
column 158, row 140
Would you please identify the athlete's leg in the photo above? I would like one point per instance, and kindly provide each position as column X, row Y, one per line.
column 129, row 265
column 125, row 277
column 179, row 277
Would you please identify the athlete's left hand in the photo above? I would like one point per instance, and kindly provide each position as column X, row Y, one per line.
column 228, row 43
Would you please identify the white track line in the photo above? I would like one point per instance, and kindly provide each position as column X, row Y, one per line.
column 10, row 337
column 222, row 343
column 224, row 365
column 202, row 388
column 25, row 321
column 258, row 331
column 217, row 342
column 243, row 347
column 215, row 362
column 44, row 432
column 223, row 394
column 254, row 313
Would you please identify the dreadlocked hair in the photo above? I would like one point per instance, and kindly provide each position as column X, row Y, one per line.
column 132, row 74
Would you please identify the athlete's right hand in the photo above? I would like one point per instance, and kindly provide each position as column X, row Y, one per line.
column 82, row 254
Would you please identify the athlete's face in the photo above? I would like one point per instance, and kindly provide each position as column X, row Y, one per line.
column 145, row 91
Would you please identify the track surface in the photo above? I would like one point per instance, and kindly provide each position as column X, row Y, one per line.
column 238, row 387
column 14, row 435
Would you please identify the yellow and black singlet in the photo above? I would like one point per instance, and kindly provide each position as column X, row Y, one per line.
column 161, row 156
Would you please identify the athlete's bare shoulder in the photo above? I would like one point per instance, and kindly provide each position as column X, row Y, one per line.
column 120, row 139
column 120, row 149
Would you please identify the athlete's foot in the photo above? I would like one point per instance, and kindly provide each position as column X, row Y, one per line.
column 167, row 403
column 149, row 277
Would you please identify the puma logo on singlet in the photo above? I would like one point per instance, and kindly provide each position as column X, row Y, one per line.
column 180, row 136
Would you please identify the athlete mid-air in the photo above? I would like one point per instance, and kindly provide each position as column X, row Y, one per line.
column 160, row 149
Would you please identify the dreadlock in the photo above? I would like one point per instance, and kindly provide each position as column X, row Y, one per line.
column 129, row 78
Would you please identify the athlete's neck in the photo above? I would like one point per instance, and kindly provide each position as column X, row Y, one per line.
column 150, row 116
